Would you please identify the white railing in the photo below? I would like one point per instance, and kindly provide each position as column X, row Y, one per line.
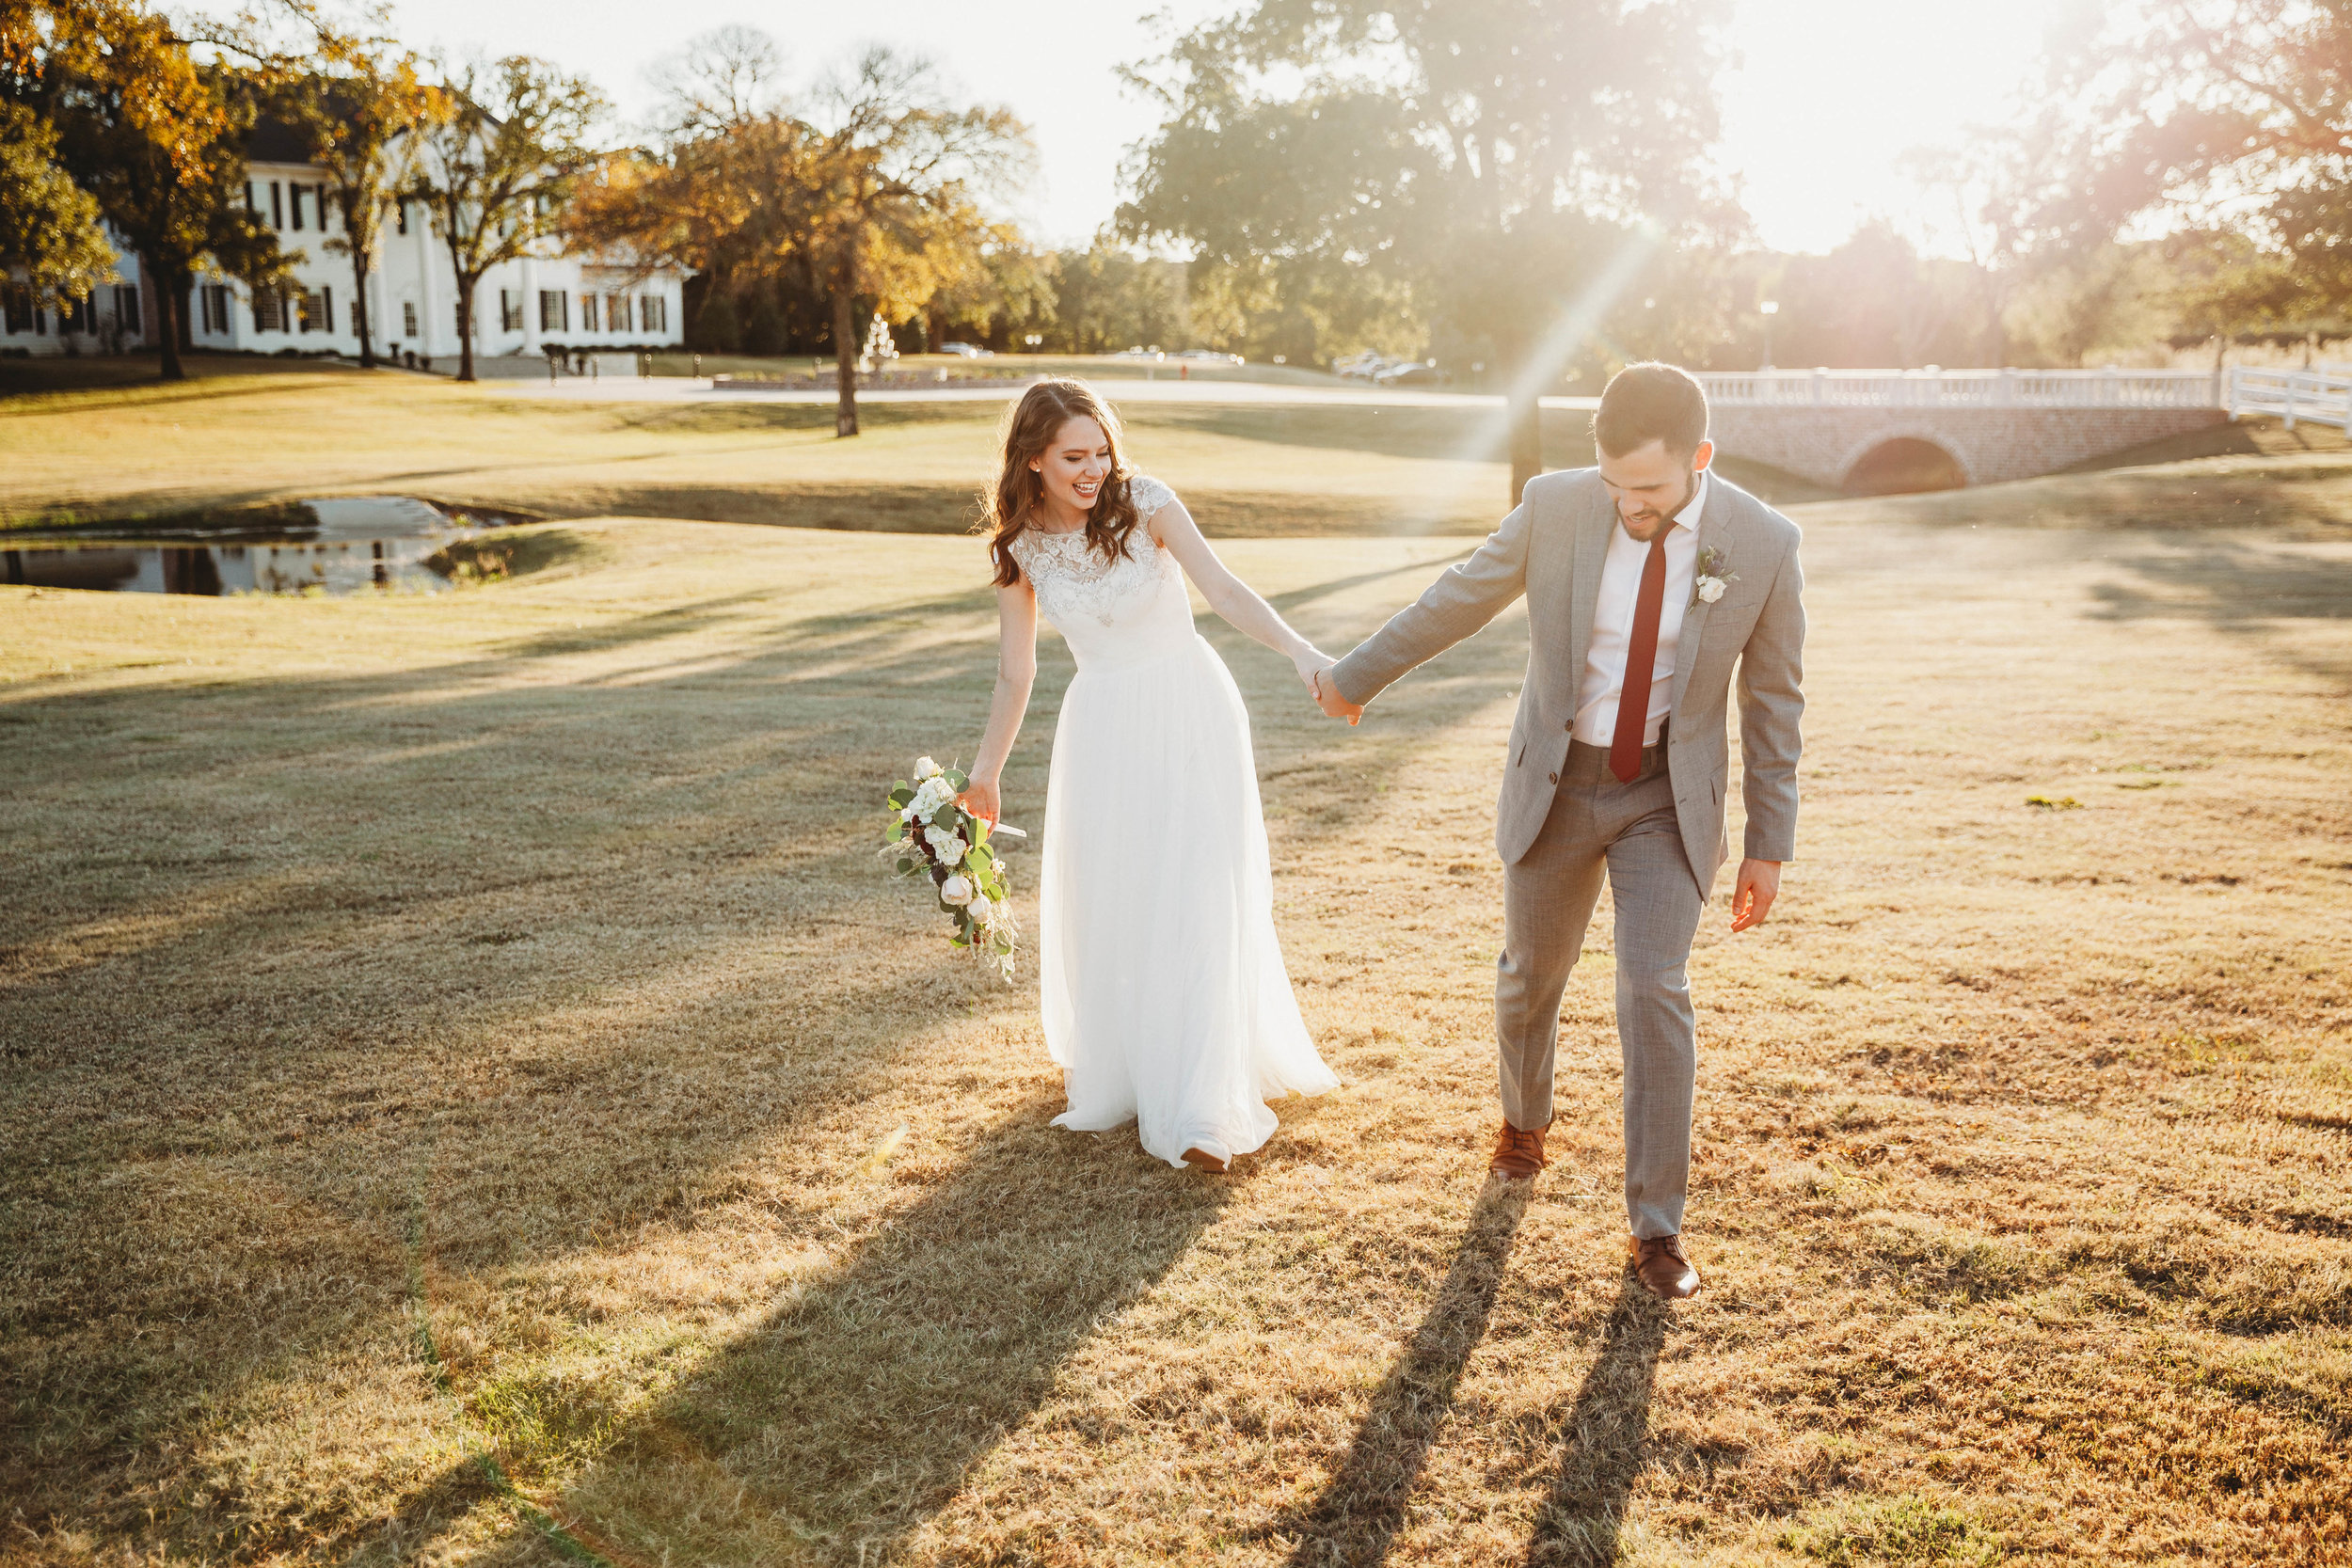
column 2005, row 389
column 2322, row 396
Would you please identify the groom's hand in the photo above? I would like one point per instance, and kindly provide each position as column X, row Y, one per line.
column 1327, row 697
column 1752, row 895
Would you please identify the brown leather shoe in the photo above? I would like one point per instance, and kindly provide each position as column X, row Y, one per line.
column 1206, row 1160
column 1519, row 1154
column 1660, row 1264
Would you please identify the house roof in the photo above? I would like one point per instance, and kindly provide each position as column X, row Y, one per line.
column 276, row 141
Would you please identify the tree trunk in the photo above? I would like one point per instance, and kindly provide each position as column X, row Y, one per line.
column 184, row 296
column 465, row 327
column 1526, row 414
column 844, row 362
column 159, row 283
column 359, row 302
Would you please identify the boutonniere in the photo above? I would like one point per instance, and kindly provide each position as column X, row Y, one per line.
column 1713, row 579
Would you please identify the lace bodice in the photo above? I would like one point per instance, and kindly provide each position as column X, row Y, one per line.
column 1116, row 611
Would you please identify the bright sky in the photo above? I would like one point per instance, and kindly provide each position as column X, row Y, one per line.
column 1828, row 95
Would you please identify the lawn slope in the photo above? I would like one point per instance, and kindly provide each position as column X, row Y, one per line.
column 473, row 1095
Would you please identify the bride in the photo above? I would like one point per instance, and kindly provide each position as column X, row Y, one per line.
column 1164, row 993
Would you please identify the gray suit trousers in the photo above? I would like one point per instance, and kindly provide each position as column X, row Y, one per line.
column 1629, row 831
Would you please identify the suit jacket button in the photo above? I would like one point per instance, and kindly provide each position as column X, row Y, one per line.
column 1569, row 726
column 1555, row 778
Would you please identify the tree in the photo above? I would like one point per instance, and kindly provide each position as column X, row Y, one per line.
column 870, row 196
column 2222, row 284
column 721, row 196
column 2224, row 116
column 49, row 227
column 1005, row 287
column 361, row 101
column 495, row 174
column 1875, row 301
column 1108, row 298
column 158, row 139
column 2256, row 127
column 889, row 200
column 1519, row 163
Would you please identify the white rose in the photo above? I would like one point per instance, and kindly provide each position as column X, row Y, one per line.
column 926, row 769
column 956, row 890
column 1710, row 589
column 979, row 909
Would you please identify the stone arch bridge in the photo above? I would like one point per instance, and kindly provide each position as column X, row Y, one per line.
column 1872, row 432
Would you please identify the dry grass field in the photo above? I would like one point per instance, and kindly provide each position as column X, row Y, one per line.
column 250, row 434
column 79, row 445
column 470, row 1093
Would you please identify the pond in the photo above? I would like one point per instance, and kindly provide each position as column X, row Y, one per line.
column 338, row 544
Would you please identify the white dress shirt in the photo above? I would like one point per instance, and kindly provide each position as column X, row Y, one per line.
column 1613, row 626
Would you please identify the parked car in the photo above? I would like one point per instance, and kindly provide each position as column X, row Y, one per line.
column 1138, row 352
column 1210, row 356
column 968, row 351
column 1365, row 366
column 1413, row 372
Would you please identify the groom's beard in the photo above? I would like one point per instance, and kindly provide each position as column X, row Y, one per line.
column 1644, row 525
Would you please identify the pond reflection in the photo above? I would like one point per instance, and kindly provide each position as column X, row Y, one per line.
column 344, row 544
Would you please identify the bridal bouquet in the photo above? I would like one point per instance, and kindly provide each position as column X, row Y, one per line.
column 930, row 834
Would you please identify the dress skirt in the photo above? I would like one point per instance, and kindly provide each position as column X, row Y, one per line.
column 1163, row 990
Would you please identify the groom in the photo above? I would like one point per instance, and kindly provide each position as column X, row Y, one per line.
column 1651, row 586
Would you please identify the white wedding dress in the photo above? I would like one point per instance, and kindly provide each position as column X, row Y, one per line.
column 1165, row 998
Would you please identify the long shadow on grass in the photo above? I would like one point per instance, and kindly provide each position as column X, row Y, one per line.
column 597, row 939
column 1603, row 1436
column 1353, row 1522
column 855, row 1411
column 597, row 944
column 2242, row 589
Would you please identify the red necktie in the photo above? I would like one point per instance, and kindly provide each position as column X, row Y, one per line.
column 1641, row 666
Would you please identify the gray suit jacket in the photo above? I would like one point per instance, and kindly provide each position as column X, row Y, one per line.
column 1551, row 547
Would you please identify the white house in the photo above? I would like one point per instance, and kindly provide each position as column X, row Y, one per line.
column 520, row 308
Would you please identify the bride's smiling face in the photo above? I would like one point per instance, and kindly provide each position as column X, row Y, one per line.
column 1075, row 464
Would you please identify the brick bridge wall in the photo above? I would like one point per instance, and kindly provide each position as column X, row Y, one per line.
column 1990, row 444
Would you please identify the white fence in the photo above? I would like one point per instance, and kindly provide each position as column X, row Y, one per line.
column 2322, row 396
column 1964, row 390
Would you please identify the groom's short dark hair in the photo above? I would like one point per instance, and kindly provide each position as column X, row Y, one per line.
column 1649, row 403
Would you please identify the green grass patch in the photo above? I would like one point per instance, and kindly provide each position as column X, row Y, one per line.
column 1893, row 1531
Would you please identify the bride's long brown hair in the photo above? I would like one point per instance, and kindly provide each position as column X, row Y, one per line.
column 1007, row 508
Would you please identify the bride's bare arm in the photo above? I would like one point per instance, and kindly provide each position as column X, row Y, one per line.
column 1230, row 597
column 1016, row 671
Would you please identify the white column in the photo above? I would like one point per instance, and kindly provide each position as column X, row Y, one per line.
column 531, row 305
column 428, row 297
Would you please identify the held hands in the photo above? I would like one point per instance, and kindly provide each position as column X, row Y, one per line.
column 1752, row 895
column 1328, row 699
column 1314, row 672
